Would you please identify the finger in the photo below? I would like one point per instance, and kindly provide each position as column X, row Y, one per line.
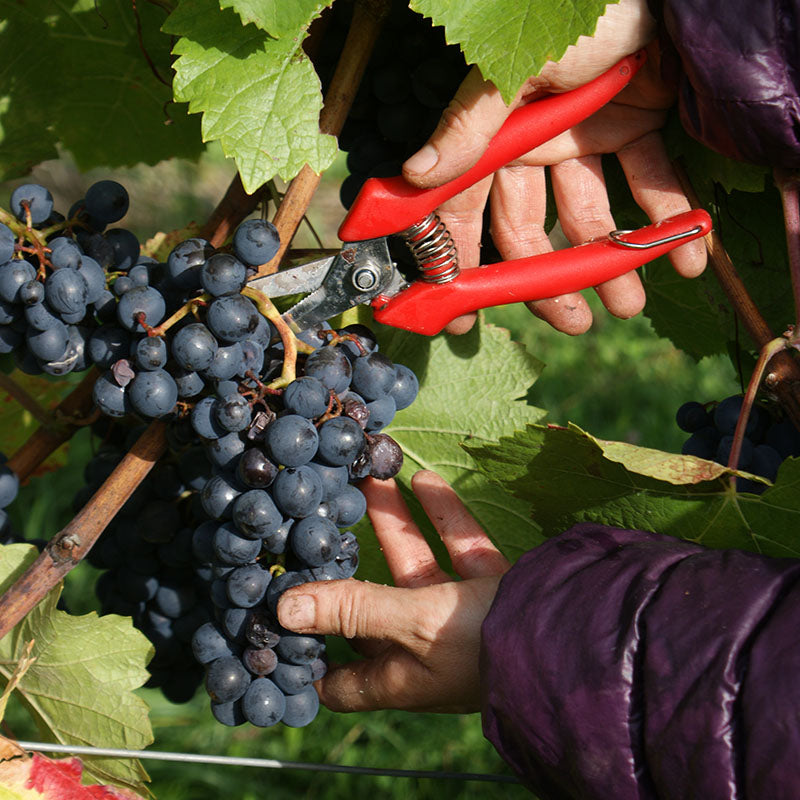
column 519, row 203
column 584, row 213
column 407, row 554
column 467, row 125
column 393, row 679
column 657, row 191
column 471, row 551
column 353, row 609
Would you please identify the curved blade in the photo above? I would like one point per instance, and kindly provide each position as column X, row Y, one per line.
column 297, row 280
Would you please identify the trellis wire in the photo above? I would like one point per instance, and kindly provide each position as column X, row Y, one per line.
column 268, row 763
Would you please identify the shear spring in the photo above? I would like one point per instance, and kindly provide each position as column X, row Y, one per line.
column 433, row 249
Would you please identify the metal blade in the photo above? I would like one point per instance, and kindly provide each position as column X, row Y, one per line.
column 360, row 272
column 296, row 280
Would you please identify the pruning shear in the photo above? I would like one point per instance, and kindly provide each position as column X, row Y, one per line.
column 363, row 271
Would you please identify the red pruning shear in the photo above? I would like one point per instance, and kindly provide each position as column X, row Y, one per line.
column 363, row 271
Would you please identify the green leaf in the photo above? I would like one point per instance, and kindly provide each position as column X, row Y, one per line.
column 472, row 389
column 259, row 96
column 277, row 17
column 77, row 75
column 566, row 476
column 509, row 40
column 79, row 689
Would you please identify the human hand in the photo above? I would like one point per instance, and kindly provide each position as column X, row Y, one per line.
column 420, row 639
column 626, row 126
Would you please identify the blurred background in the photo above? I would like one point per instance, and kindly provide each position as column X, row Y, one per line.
column 620, row 381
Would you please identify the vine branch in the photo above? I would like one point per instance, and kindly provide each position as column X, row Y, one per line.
column 27, row 401
column 368, row 16
column 66, row 549
column 787, row 183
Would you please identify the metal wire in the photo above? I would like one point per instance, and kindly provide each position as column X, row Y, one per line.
column 268, row 763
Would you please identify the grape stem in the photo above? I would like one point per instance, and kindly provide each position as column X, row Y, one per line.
column 768, row 352
column 66, row 549
column 783, row 378
column 291, row 344
column 46, row 439
column 368, row 16
column 189, row 307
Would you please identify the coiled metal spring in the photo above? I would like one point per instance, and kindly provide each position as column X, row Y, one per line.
column 433, row 249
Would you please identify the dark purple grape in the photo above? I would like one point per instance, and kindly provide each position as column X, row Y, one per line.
column 247, row 585
column 223, row 274
column 12, row 276
column 291, row 440
column 264, row 703
column 405, row 388
column 373, row 376
column 341, row 440
column 227, row 679
column 150, row 352
column 259, row 661
column 255, row 470
column 233, row 412
column 125, row 247
column 153, row 393
column 385, row 456
column 186, row 260
column 292, row 678
column 307, row 397
column 107, row 201
column 218, row 496
column 331, row 367
column 315, row 540
column 36, row 199
column 230, row 547
column 297, row 491
column 256, row 241
column 66, row 291
column 301, row 708
column 351, row 505
column 255, row 514
column 141, row 300
column 233, row 318
column 381, row 413
column 194, row 347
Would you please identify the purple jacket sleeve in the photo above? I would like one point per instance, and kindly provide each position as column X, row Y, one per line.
column 736, row 64
column 621, row 664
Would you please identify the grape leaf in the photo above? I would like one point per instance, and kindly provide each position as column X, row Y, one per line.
column 79, row 688
column 42, row 778
column 472, row 388
column 509, row 40
column 77, row 75
column 259, row 96
column 567, row 476
column 277, row 17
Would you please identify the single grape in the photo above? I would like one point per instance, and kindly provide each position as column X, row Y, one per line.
column 230, row 547
column 381, row 413
column 341, row 440
column 292, row 678
column 405, row 388
column 223, row 274
column 334, row 479
column 296, row 648
column 307, row 397
column 150, row 352
column 297, row 491
column 194, row 347
column 218, row 496
column 373, row 376
column 12, row 276
column 225, row 451
column 233, row 412
column 204, row 419
column 175, row 599
column 385, row 456
column 256, row 241
column 229, row 714
column 227, row 362
column 144, row 300
column 124, row 246
column 233, row 318
column 49, row 344
column 107, row 201
column 331, row 367
column 255, row 514
column 227, row 679
column 301, row 708
column 292, row 440
column 351, row 505
column 255, row 470
column 315, row 540
column 7, row 242
column 153, row 393
column 264, row 703
column 186, row 260
column 260, row 661
column 247, row 585
column 30, row 294
column 9, row 486
column 33, row 198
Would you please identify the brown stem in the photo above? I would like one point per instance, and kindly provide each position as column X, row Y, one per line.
column 784, row 374
column 368, row 16
column 787, row 183
column 45, row 440
column 768, row 352
column 65, row 550
column 27, row 401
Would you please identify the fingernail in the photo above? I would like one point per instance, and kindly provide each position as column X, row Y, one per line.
column 297, row 612
column 423, row 160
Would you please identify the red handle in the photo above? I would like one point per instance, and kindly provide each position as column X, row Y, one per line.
column 428, row 307
column 389, row 205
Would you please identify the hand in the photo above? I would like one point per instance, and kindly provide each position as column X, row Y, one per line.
column 421, row 638
column 626, row 126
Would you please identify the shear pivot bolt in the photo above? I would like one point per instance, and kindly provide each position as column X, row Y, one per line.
column 365, row 278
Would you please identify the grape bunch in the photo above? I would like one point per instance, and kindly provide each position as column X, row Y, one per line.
column 411, row 77
column 281, row 502
column 766, row 443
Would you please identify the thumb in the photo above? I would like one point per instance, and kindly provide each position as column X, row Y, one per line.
column 353, row 609
column 467, row 125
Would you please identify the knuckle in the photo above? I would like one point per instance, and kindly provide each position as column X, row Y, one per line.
column 457, row 122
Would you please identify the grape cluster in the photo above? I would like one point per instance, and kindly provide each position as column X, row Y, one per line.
column 281, row 503
column 766, row 443
column 411, row 77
